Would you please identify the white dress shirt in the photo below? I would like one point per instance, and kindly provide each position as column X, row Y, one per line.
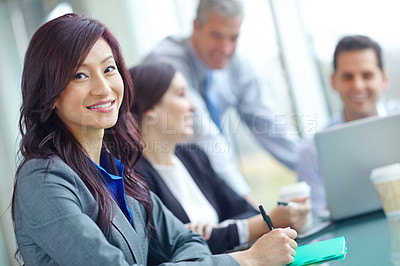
column 197, row 207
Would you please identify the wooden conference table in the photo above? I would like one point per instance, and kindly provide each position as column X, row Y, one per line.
column 371, row 240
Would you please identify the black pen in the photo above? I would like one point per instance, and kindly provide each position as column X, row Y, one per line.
column 266, row 218
column 289, row 203
column 282, row 203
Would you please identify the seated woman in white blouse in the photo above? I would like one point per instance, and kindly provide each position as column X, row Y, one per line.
column 181, row 174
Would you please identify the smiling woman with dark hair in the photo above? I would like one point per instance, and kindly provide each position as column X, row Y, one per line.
column 77, row 200
column 74, row 203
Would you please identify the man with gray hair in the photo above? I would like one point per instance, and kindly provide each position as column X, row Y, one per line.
column 218, row 79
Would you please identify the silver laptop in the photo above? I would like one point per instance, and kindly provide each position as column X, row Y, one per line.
column 347, row 154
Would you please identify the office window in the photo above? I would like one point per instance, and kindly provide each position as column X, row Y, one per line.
column 260, row 44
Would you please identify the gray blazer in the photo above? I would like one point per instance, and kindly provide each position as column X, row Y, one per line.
column 55, row 218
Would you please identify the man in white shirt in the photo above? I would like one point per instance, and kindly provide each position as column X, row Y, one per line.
column 208, row 59
column 360, row 78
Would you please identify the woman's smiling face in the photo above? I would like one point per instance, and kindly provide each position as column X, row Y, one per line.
column 92, row 98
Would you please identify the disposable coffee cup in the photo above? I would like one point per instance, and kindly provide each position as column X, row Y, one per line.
column 386, row 180
column 298, row 190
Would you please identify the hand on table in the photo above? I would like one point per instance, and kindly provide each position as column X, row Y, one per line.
column 205, row 230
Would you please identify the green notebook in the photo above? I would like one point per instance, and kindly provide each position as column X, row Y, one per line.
column 319, row 252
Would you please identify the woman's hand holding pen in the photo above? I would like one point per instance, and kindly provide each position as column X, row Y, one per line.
column 275, row 248
column 294, row 216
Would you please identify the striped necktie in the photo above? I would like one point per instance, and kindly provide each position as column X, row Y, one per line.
column 212, row 101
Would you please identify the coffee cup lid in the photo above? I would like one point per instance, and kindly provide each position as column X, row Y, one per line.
column 385, row 173
column 298, row 189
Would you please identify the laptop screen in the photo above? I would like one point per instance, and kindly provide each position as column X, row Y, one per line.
column 347, row 154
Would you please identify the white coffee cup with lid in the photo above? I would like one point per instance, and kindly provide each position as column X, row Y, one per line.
column 387, row 183
column 298, row 190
